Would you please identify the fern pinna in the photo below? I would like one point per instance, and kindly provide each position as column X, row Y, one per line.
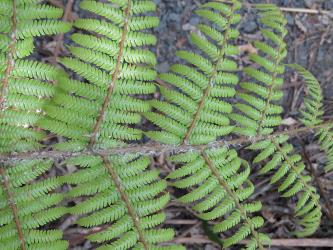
column 312, row 112
column 195, row 111
column 110, row 54
column 26, row 206
column 218, row 180
column 289, row 173
column 25, row 86
column 260, row 113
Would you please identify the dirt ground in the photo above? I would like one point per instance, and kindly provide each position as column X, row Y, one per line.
column 310, row 44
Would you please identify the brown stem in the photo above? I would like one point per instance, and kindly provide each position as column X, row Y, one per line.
column 152, row 148
column 233, row 196
column 11, row 203
column 115, row 76
column 325, row 243
column 10, row 58
column 60, row 38
column 117, row 181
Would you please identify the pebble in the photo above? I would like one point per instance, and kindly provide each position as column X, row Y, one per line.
column 163, row 67
column 309, row 3
column 174, row 17
column 250, row 27
column 194, row 21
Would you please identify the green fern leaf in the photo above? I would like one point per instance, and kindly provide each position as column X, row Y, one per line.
column 112, row 59
column 21, row 215
column 258, row 113
column 218, row 180
column 25, row 85
column 124, row 197
column 292, row 180
column 194, row 108
column 312, row 112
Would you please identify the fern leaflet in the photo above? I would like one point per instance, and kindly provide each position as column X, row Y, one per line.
column 259, row 115
column 110, row 57
column 195, row 112
column 124, row 198
column 311, row 113
column 218, row 180
column 100, row 112
column 288, row 172
column 26, row 206
column 25, row 84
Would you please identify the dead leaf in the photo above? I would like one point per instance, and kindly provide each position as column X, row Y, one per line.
column 248, row 48
column 289, row 121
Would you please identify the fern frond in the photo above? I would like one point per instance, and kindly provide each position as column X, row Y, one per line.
column 312, row 112
column 25, row 84
column 218, row 180
column 195, row 107
column 288, row 170
column 123, row 197
column 116, row 67
column 259, row 112
column 111, row 58
column 325, row 139
column 26, row 206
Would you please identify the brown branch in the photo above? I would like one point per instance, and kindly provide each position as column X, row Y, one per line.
column 11, row 203
column 117, row 181
column 274, row 242
column 10, row 58
column 152, row 148
column 115, row 76
column 233, row 196
column 59, row 39
column 294, row 10
column 306, row 11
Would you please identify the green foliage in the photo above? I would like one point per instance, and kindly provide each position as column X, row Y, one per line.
column 195, row 106
column 325, row 139
column 288, row 170
column 110, row 55
column 260, row 112
column 312, row 111
column 219, row 185
column 112, row 59
column 123, row 197
column 25, row 206
column 25, row 84
column 99, row 106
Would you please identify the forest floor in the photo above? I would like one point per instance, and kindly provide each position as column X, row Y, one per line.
column 309, row 44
